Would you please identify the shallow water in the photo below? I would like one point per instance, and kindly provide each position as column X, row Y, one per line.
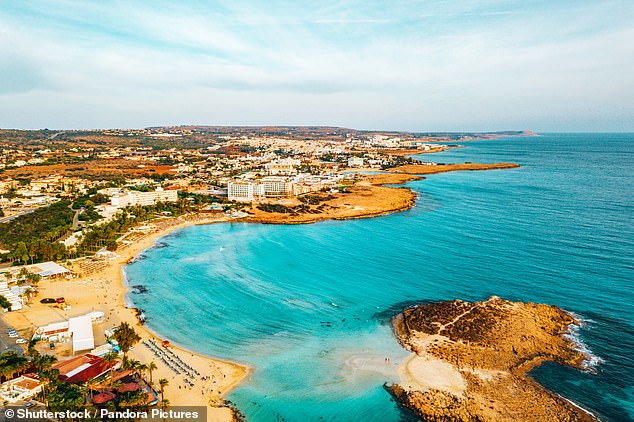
column 309, row 305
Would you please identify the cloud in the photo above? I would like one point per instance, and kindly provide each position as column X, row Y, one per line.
column 409, row 65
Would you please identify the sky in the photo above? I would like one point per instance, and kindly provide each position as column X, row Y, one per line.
column 555, row 65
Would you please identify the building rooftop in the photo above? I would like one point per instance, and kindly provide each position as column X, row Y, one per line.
column 82, row 368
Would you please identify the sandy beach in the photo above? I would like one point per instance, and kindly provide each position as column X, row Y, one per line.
column 100, row 286
column 104, row 291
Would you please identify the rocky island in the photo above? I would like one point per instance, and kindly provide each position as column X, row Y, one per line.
column 470, row 361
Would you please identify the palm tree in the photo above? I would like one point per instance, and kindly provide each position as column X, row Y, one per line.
column 29, row 293
column 141, row 369
column 43, row 362
column 32, row 352
column 126, row 338
column 131, row 364
column 91, row 384
column 11, row 364
column 46, row 377
column 164, row 404
column 110, row 359
column 163, row 383
column 151, row 367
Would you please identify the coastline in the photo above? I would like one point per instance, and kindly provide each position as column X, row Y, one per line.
column 471, row 361
column 106, row 291
column 443, row 168
column 368, row 198
column 226, row 374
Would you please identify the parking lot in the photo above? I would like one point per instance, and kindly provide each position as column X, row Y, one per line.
column 6, row 342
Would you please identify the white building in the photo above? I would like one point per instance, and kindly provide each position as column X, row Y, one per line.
column 276, row 186
column 355, row 162
column 79, row 329
column 21, row 388
column 282, row 166
column 131, row 198
column 244, row 191
column 48, row 269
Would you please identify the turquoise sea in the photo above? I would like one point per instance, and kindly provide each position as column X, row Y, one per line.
column 309, row 305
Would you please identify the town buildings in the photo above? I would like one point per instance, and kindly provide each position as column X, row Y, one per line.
column 131, row 198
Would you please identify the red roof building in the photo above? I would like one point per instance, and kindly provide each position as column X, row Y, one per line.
column 82, row 368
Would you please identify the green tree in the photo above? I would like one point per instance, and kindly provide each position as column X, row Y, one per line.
column 163, row 382
column 4, row 303
column 110, row 359
column 34, row 278
column 43, row 362
column 65, row 396
column 11, row 364
column 23, row 273
column 47, row 377
column 126, row 337
column 21, row 252
column 91, row 385
column 151, row 367
column 132, row 398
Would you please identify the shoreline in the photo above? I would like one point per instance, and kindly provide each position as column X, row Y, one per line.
column 233, row 372
column 471, row 360
column 106, row 291
column 367, row 192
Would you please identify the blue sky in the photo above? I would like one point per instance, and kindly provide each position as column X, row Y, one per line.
column 553, row 65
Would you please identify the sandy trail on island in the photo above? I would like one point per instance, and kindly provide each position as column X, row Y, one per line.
column 422, row 371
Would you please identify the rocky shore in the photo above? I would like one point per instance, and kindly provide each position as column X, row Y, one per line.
column 444, row 168
column 371, row 196
column 470, row 361
column 368, row 197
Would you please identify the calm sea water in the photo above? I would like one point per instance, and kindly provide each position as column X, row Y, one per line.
column 309, row 305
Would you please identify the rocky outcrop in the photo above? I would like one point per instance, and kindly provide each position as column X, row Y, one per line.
column 472, row 360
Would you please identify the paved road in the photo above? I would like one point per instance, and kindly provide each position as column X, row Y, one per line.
column 75, row 221
column 14, row 216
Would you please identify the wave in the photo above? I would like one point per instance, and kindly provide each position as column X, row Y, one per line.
column 591, row 361
column 138, row 257
column 129, row 303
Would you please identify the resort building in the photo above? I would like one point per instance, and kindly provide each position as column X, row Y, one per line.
column 46, row 270
column 55, row 332
column 244, row 191
column 22, row 388
column 82, row 368
column 276, row 186
column 79, row 329
column 355, row 162
column 131, row 198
